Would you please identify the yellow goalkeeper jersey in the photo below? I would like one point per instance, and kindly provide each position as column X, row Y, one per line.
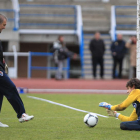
column 134, row 99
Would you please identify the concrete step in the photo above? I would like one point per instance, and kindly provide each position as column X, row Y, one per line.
column 99, row 20
column 89, row 67
column 123, row 2
column 90, row 12
column 95, row 28
column 107, row 46
column 66, row 2
column 96, row 16
column 126, row 10
column 46, row 10
column 6, row 4
column 46, row 27
column 87, row 52
column 89, row 62
column 105, row 57
column 98, row 72
column 47, row 20
column 98, row 77
column 126, row 20
column 91, row 36
column 133, row 27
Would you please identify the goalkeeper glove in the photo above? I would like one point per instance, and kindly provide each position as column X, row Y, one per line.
column 112, row 113
column 105, row 105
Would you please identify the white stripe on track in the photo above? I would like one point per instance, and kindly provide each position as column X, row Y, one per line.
column 77, row 91
column 36, row 98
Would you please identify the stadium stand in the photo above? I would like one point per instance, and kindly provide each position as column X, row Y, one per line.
column 96, row 17
column 7, row 9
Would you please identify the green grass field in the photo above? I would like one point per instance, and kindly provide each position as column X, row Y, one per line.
column 54, row 122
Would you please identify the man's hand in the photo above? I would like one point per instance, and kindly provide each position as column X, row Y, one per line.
column 114, row 53
column 6, row 68
column 74, row 56
column 105, row 105
column 112, row 113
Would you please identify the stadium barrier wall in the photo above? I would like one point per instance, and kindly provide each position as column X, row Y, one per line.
column 14, row 70
column 30, row 67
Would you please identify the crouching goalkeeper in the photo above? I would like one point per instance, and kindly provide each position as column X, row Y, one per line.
column 133, row 121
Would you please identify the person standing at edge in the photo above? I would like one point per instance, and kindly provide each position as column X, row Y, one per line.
column 60, row 54
column 131, row 45
column 97, row 48
column 118, row 50
column 7, row 87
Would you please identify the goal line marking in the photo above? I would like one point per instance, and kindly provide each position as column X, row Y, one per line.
column 41, row 99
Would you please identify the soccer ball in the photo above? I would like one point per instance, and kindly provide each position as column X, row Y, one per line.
column 91, row 119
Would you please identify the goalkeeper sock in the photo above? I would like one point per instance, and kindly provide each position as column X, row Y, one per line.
column 117, row 115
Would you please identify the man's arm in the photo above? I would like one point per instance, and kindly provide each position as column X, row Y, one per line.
column 132, row 117
column 123, row 118
column 129, row 100
column 90, row 46
column 6, row 66
column 103, row 45
column 112, row 47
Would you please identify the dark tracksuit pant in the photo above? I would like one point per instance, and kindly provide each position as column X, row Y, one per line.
column 8, row 89
column 95, row 62
column 132, row 125
column 115, row 62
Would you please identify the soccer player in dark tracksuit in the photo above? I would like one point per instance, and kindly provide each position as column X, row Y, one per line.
column 118, row 50
column 7, row 87
column 61, row 53
column 97, row 48
column 133, row 121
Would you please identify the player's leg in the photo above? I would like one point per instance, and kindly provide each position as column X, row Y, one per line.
column 120, row 67
column 114, row 67
column 101, row 67
column 1, row 100
column 131, row 125
column 59, row 70
column 94, row 66
column 92, row 60
column 134, row 71
column 9, row 90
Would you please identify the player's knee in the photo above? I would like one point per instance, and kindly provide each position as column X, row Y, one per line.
column 123, row 126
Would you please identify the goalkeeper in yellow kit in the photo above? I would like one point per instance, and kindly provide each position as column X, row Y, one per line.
column 133, row 121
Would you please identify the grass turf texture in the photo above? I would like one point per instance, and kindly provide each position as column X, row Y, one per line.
column 54, row 122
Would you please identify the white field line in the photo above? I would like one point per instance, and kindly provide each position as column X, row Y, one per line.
column 77, row 91
column 36, row 98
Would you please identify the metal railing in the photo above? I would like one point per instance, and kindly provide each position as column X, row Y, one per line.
column 30, row 67
column 114, row 24
column 14, row 70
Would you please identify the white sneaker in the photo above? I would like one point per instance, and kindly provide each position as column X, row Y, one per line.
column 25, row 118
column 3, row 125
